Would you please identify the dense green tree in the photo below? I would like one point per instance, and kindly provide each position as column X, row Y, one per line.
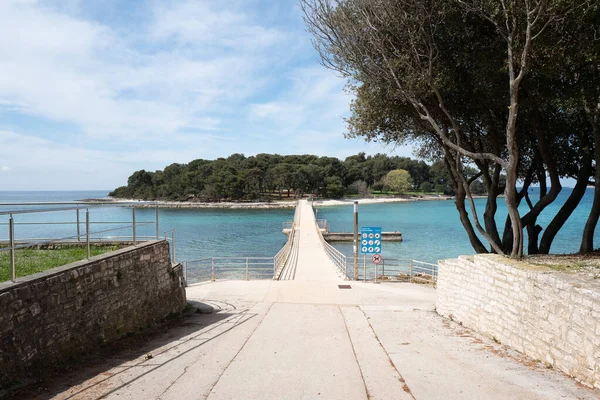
column 426, row 187
column 478, row 84
column 265, row 176
column 398, row 180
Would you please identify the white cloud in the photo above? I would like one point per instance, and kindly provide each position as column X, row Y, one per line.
column 82, row 72
column 5, row 168
column 190, row 79
column 212, row 24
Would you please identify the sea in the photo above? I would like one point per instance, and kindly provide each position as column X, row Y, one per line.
column 431, row 229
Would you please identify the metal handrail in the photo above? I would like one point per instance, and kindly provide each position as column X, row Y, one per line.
column 338, row 259
column 215, row 268
column 399, row 270
column 288, row 225
column 323, row 224
column 86, row 203
column 16, row 244
column 283, row 255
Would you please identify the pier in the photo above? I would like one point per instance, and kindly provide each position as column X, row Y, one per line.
column 311, row 333
column 342, row 236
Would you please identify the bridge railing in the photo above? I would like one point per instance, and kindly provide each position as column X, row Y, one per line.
column 287, row 225
column 323, row 224
column 395, row 270
column 283, row 255
column 338, row 259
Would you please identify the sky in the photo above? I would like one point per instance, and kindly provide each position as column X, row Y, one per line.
column 91, row 91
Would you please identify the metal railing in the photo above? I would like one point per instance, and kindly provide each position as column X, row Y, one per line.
column 396, row 270
column 170, row 238
column 85, row 237
column 287, row 225
column 323, row 224
column 283, row 255
column 219, row 268
column 338, row 259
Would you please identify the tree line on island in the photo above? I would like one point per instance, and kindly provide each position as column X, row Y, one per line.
column 509, row 87
column 269, row 176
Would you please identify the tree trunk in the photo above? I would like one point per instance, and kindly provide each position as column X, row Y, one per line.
column 491, row 206
column 587, row 240
column 460, row 206
column 567, row 209
column 513, row 210
column 466, row 222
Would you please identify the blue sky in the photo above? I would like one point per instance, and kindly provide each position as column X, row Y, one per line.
column 91, row 91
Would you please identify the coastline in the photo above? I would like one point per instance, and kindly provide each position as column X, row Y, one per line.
column 279, row 204
column 377, row 200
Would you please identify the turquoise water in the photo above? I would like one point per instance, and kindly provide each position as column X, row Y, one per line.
column 431, row 229
column 199, row 233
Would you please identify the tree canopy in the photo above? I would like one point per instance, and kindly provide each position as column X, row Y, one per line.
column 505, row 91
column 267, row 176
column 398, row 180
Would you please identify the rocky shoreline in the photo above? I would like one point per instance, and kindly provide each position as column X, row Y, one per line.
column 282, row 204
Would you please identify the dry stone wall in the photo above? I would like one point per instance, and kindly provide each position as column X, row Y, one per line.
column 54, row 316
column 552, row 317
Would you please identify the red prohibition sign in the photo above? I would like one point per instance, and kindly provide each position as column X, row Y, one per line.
column 376, row 258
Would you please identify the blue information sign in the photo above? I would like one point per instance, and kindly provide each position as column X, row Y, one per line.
column 370, row 240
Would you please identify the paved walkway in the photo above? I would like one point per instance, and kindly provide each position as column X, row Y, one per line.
column 312, row 340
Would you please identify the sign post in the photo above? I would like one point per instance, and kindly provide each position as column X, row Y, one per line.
column 376, row 260
column 355, row 240
column 370, row 243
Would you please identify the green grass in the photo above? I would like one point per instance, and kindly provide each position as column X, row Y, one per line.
column 29, row 261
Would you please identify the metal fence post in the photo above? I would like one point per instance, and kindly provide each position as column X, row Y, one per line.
column 87, row 232
column 133, row 225
column 212, row 272
column 156, row 222
column 410, row 272
column 173, row 244
column 246, row 268
column 185, row 273
column 11, row 235
column 78, row 228
column 355, row 240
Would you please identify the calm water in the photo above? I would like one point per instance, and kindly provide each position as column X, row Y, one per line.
column 199, row 233
column 431, row 229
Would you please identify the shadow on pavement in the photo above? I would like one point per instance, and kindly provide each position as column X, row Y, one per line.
column 90, row 376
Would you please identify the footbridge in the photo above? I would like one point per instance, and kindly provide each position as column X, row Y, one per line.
column 310, row 257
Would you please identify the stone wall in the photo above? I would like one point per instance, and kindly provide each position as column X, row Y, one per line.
column 550, row 316
column 54, row 316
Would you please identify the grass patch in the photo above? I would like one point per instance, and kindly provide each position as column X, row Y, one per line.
column 30, row 261
column 587, row 264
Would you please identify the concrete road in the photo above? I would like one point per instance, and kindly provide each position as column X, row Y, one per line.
column 313, row 340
